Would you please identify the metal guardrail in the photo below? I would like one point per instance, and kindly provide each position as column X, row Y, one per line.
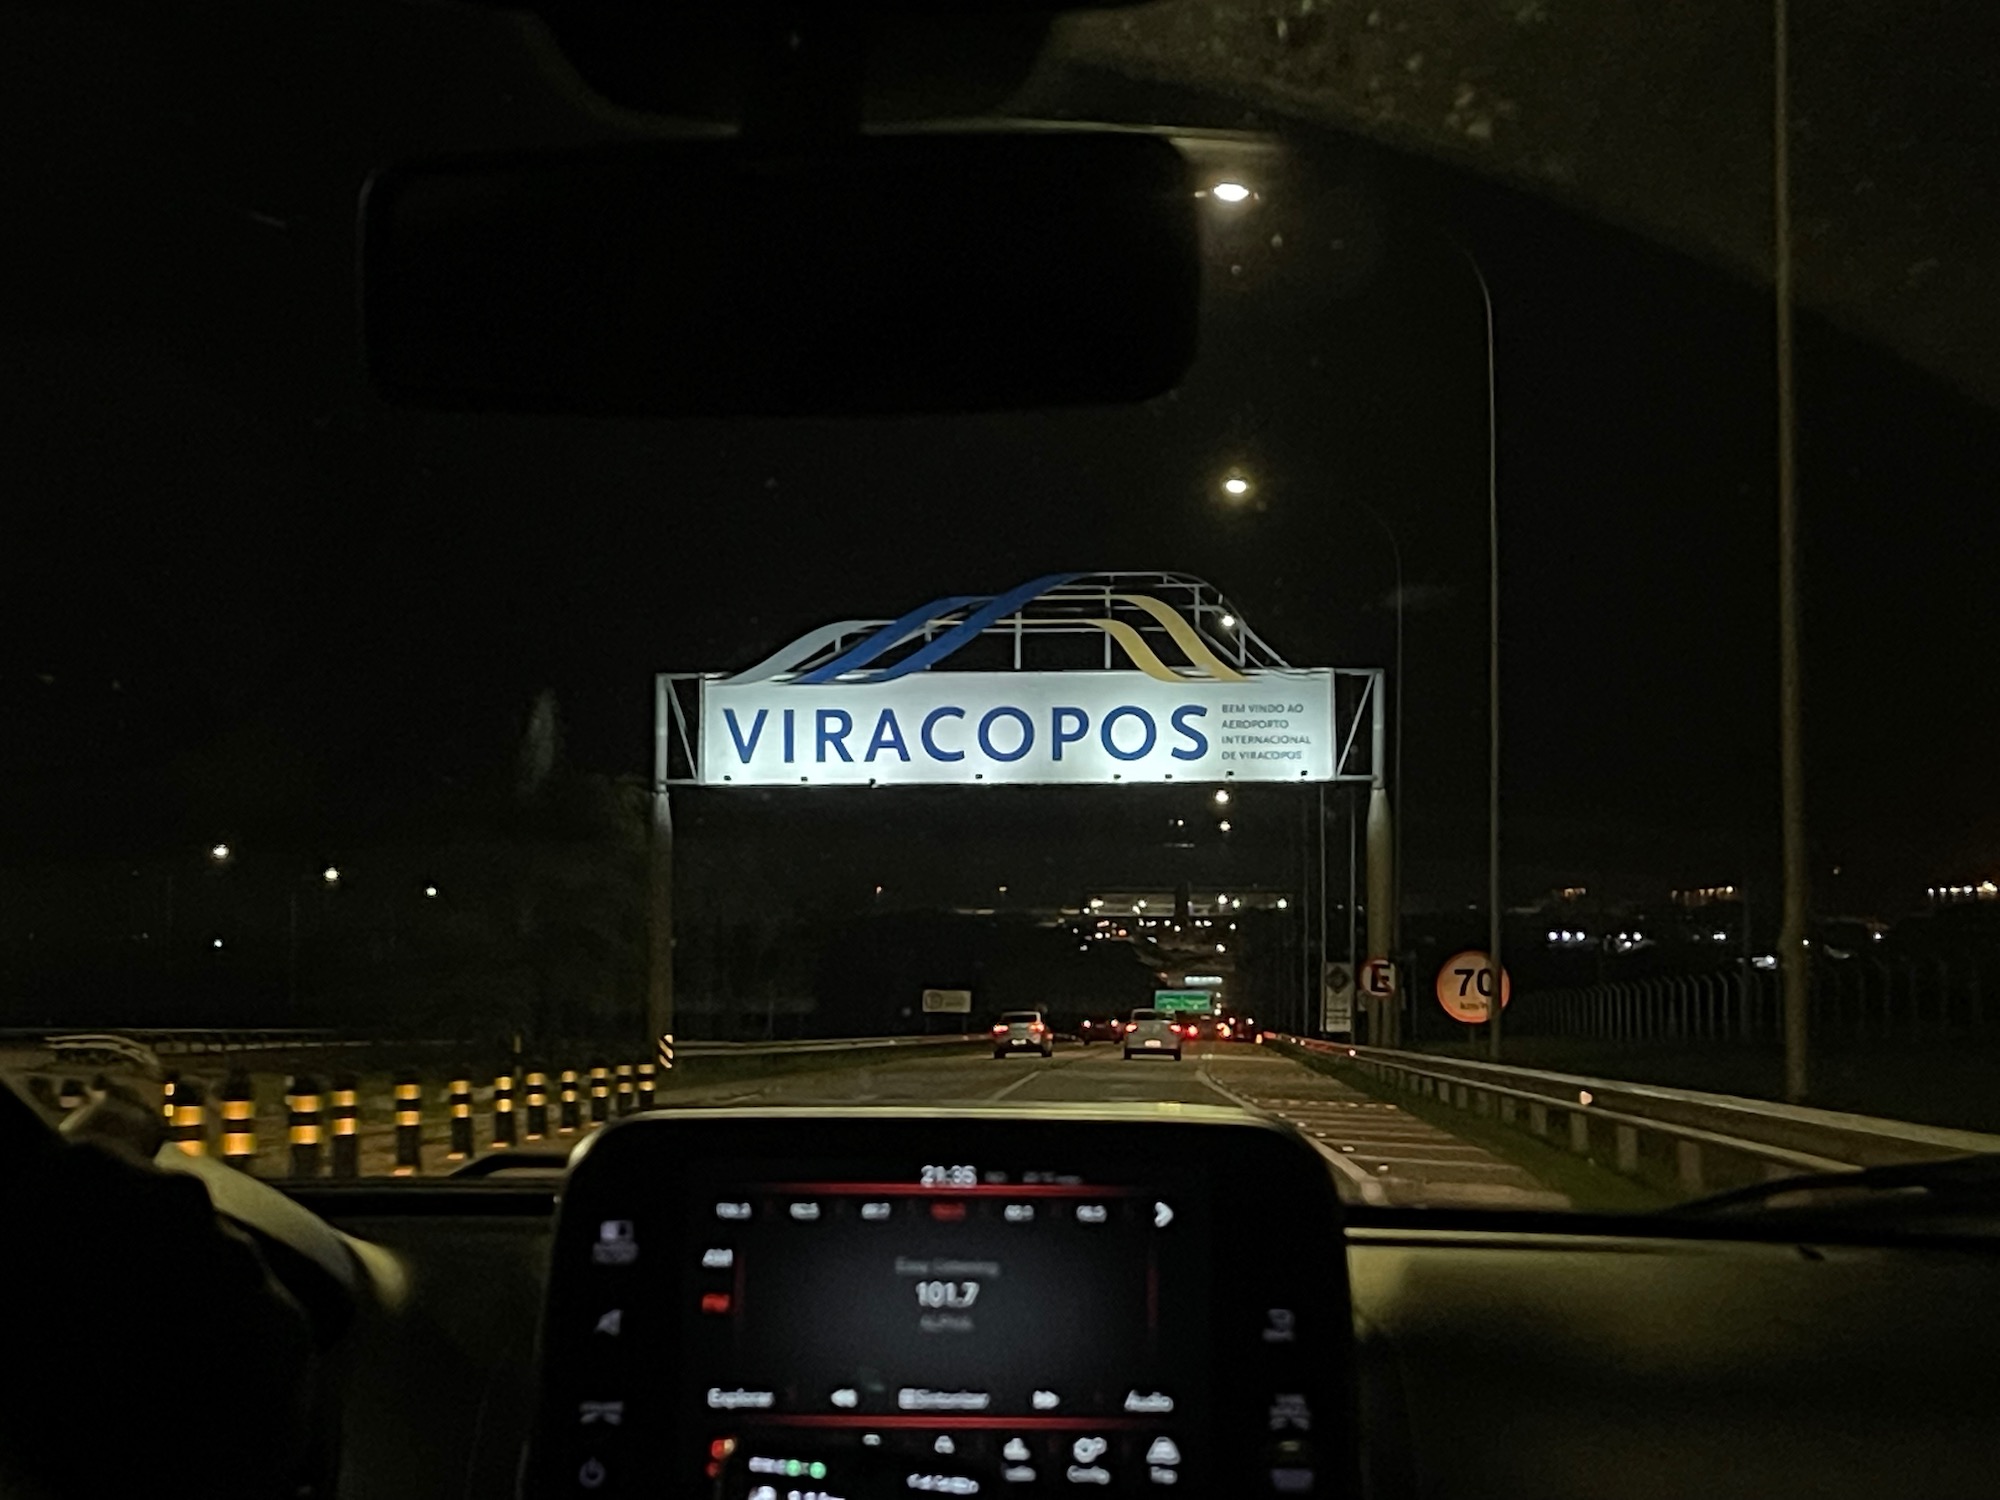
column 200, row 1041
column 1702, row 1141
column 816, row 1044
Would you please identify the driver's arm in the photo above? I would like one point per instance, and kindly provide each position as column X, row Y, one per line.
column 148, row 1348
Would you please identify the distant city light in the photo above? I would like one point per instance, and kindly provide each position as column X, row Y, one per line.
column 331, row 875
column 1229, row 192
column 1222, row 947
column 220, row 854
column 430, row 890
column 1095, row 902
column 1283, row 903
column 217, row 943
column 1224, row 825
column 1236, row 485
column 1221, row 794
column 1229, row 622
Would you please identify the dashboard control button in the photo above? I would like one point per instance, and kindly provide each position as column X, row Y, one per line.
column 1290, row 1411
column 617, row 1243
column 1092, row 1213
column 1046, row 1400
column 591, row 1476
column 1162, row 1475
column 733, row 1211
column 1088, row 1474
column 943, row 1444
column 716, row 1303
column 1280, row 1325
column 1088, row 1450
column 1163, row 1451
column 611, row 1321
column 1018, row 1474
column 1163, row 1215
column 610, row 1413
column 1292, row 1479
column 874, row 1213
column 719, row 1258
column 1149, row 1403
column 846, row 1398
column 1016, row 1451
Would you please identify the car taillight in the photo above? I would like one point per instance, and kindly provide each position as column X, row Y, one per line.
column 1000, row 1028
column 1175, row 1029
column 1131, row 1025
column 1037, row 1026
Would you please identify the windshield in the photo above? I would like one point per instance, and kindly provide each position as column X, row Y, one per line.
column 364, row 795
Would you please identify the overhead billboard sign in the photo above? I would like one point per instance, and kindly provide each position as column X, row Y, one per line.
column 1172, row 686
column 947, row 1002
column 1036, row 728
column 1185, row 1002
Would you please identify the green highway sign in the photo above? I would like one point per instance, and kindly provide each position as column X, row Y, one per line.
column 1196, row 1002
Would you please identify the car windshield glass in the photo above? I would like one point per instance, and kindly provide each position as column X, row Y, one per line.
column 1525, row 675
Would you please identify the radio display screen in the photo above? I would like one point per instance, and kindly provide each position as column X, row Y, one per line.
column 958, row 1327
column 855, row 1304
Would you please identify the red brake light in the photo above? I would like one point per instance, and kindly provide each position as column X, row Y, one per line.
column 999, row 1028
column 1037, row 1026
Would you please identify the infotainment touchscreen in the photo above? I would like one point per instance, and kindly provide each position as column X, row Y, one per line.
column 853, row 1304
column 955, row 1327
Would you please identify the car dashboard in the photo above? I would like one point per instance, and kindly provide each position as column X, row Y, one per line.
column 810, row 1304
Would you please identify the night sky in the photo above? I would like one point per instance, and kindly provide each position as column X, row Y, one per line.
column 219, row 542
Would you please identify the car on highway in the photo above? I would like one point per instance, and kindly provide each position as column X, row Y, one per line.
column 1023, row 1031
column 1153, row 1033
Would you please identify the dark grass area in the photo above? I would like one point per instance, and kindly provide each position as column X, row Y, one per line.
column 1955, row 1084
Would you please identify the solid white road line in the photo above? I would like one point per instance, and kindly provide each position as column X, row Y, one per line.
column 1370, row 1190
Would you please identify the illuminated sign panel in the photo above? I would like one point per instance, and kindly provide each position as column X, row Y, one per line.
column 1070, row 679
column 1018, row 728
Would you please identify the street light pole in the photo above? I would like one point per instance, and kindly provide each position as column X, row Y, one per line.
column 1391, row 1015
column 1793, row 969
column 1494, row 922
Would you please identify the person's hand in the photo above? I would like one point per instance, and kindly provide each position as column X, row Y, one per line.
column 116, row 1116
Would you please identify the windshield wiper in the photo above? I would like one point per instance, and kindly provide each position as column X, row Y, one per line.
column 1952, row 1183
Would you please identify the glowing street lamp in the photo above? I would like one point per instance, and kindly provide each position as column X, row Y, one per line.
column 331, row 875
column 1229, row 192
column 220, row 853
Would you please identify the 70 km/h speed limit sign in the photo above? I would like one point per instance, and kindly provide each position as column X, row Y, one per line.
column 1465, row 987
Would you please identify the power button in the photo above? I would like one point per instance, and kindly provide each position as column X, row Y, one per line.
column 591, row 1476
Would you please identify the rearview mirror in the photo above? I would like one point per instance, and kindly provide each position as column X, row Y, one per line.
column 881, row 274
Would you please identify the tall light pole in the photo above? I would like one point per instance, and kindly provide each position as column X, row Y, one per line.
column 1793, row 969
column 1494, row 920
column 1391, row 1013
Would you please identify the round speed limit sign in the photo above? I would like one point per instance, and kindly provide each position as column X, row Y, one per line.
column 1465, row 986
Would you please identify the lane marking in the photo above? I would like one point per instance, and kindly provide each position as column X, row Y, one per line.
column 1030, row 1076
column 1369, row 1187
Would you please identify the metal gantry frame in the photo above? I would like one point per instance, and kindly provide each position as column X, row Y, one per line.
column 1071, row 607
column 1192, row 624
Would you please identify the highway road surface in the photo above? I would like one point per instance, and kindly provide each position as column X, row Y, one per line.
column 1376, row 1151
